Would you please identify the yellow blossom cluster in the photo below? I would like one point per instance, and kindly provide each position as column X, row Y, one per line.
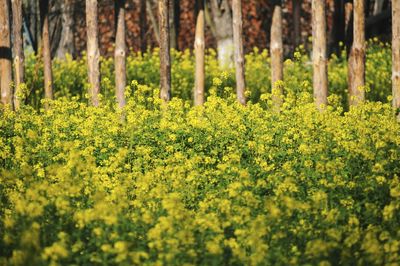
column 218, row 184
column 210, row 185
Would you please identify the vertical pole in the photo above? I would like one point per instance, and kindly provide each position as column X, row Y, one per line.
column 396, row 55
column 357, row 56
column 239, row 54
column 120, row 52
column 276, row 54
column 93, row 53
column 165, row 58
column 5, row 54
column 320, row 68
column 19, row 57
column 48, row 77
column 199, row 46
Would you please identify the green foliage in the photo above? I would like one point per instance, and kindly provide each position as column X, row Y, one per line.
column 378, row 70
column 221, row 184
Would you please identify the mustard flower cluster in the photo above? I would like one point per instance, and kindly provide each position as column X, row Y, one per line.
column 219, row 184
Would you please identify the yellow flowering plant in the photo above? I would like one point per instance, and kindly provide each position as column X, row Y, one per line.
column 216, row 184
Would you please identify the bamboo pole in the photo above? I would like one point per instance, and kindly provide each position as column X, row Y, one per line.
column 19, row 58
column 276, row 55
column 48, row 76
column 320, row 67
column 93, row 53
column 239, row 54
column 357, row 56
column 165, row 57
column 120, row 53
column 396, row 56
column 199, row 46
column 5, row 54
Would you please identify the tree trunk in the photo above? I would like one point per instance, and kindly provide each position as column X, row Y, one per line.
column 165, row 58
column 66, row 45
column 174, row 23
column 5, row 54
column 276, row 55
column 396, row 56
column 239, row 54
column 19, row 57
column 93, row 53
column 143, row 26
column 296, row 22
column 320, row 68
column 153, row 21
column 120, row 52
column 199, row 46
column 222, row 18
column 357, row 56
column 48, row 78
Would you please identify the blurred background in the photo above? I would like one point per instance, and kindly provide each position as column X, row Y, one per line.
column 67, row 20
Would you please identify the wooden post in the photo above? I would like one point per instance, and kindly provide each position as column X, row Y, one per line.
column 320, row 67
column 93, row 53
column 239, row 54
column 396, row 55
column 19, row 57
column 48, row 77
column 5, row 54
column 120, row 52
column 165, row 58
column 276, row 54
column 357, row 56
column 143, row 26
column 199, row 46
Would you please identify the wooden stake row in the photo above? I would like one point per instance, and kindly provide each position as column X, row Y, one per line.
column 356, row 73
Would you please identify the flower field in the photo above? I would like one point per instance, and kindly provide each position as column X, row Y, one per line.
column 219, row 184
